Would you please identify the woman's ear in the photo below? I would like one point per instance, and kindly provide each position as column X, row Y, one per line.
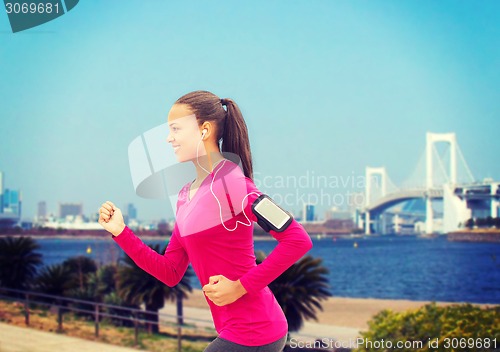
column 206, row 130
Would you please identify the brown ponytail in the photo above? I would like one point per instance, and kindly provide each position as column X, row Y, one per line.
column 235, row 137
column 231, row 127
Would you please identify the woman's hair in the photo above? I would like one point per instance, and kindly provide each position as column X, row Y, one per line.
column 230, row 125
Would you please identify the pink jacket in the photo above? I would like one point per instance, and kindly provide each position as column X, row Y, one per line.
column 256, row 318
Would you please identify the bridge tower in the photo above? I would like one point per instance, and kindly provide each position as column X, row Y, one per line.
column 433, row 138
column 369, row 173
column 494, row 203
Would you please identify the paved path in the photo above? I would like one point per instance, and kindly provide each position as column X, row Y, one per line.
column 20, row 339
column 23, row 339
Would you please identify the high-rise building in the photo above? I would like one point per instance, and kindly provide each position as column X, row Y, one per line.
column 42, row 210
column 71, row 209
column 131, row 212
column 308, row 212
column 12, row 202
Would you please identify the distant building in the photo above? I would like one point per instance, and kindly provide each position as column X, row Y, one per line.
column 12, row 202
column 26, row 225
column 308, row 213
column 131, row 212
column 480, row 209
column 70, row 209
column 339, row 224
column 335, row 213
column 42, row 210
column 10, row 205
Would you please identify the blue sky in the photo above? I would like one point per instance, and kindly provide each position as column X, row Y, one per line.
column 326, row 87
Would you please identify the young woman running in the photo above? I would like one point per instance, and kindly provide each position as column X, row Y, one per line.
column 214, row 228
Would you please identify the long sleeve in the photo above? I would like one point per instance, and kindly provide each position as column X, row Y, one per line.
column 169, row 268
column 293, row 243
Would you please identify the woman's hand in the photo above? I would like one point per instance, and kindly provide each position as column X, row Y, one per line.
column 111, row 218
column 223, row 291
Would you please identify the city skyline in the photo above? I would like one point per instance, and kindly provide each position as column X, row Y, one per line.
column 325, row 87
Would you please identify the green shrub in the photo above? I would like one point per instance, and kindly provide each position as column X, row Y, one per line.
column 459, row 327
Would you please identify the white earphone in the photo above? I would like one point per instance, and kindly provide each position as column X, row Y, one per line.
column 211, row 190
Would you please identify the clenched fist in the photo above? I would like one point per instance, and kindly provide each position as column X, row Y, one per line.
column 223, row 291
column 111, row 218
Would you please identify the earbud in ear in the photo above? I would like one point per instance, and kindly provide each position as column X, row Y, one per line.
column 203, row 132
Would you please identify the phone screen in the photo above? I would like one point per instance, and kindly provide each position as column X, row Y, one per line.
column 272, row 213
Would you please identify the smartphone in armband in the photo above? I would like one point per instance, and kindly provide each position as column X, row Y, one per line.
column 270, row 216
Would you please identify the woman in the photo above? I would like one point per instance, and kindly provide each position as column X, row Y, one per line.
column 213, row 229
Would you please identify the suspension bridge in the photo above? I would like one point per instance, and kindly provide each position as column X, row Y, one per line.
column 441, row 175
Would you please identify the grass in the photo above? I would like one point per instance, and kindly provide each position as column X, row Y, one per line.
column 193, row 340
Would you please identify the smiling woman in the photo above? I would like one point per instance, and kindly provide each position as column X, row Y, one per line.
column 214, row 228
column 184, row 132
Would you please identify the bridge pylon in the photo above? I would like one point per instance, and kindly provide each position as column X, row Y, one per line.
column 369, row 173
column 431, row 140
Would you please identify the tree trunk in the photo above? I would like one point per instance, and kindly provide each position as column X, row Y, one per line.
column 180, row 317
column 153, row 319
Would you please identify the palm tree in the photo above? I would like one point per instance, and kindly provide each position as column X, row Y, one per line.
column 114, row 299
column 101, row 287
column 80, row 269
column 52, row 280
column 19, row 261
column 69, row 279
column 300, row 289
column 102, row 282
column 135, row 286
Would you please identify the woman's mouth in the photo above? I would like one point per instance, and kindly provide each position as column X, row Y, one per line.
column 176, row 148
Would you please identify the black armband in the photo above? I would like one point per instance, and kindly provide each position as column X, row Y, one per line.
column 269, row 215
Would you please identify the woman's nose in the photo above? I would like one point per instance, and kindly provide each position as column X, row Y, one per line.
column 169, row 138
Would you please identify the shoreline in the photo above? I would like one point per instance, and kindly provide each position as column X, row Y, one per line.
column 345, row 311
column 475, row 235
column 106, row 236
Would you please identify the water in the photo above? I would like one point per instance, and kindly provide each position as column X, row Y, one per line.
column 390, row 267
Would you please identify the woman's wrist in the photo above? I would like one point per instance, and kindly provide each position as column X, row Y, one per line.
column 240, row 288
column 118, row 231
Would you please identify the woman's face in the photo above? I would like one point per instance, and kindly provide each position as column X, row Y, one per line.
column 185, row 134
